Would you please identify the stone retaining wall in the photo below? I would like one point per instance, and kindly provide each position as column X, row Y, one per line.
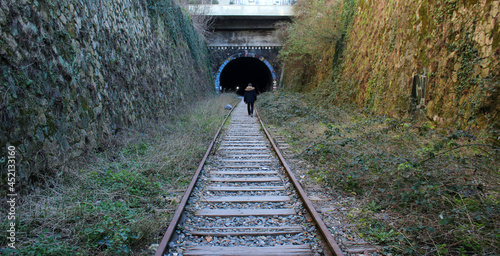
column 75, row 72
column 454, row 44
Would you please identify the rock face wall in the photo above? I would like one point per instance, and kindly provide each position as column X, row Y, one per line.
column 451, row 47
column 74, row 72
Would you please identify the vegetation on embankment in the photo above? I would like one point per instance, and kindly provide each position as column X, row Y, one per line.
column 401, row 108
column 368, row 53
column 120, row 200
column 423, row 190
column 74, row 73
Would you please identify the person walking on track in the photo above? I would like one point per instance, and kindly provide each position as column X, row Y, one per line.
column 249, row 98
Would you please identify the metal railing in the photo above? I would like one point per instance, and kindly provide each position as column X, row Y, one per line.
column 244, row 2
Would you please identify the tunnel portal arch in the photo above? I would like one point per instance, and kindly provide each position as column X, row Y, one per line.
column 242, row 68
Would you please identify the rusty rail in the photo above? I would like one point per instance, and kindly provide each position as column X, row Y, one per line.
column 324, row 232
column 330, row 241
column 180, row 208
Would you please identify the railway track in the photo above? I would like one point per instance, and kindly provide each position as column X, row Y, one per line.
column 243, row 200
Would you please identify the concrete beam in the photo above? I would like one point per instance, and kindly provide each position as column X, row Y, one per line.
column 244, row 38
column 245, row 24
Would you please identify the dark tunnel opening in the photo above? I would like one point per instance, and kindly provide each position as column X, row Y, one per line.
column 238, row 73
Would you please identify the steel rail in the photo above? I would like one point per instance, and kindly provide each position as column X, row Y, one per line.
column 324, row 232
column 332, row 245
column 162, row 248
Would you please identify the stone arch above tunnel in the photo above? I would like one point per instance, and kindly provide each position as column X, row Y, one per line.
column 242, row 68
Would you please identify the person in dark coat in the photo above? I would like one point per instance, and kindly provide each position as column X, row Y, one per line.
column 249, row 98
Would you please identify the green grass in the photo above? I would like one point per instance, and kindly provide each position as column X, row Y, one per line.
column 119, row 201
column 425, row 189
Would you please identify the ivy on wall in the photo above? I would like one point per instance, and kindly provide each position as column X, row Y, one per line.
column 180, row 28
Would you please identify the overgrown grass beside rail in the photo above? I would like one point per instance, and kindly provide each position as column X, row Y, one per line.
column 119, row 201
column 423, row 190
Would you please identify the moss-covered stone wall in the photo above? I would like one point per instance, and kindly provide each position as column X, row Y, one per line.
column 454, row 43
column 75, row 72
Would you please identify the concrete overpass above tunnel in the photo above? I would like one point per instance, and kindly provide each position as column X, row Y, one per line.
column 244, row 45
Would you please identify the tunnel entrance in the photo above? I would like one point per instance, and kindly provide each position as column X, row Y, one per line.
column 235, row 75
